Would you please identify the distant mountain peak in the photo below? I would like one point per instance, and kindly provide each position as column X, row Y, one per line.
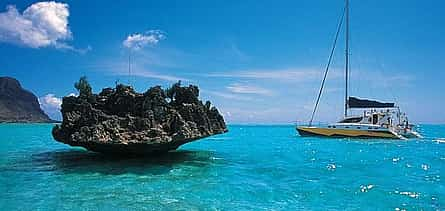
column 9, row 83
column 18, row 104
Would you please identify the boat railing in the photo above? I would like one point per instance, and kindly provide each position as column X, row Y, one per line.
column 315, row 124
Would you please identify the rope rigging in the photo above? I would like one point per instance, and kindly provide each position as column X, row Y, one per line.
column 328, row 65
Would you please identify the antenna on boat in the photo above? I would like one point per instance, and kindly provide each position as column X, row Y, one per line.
column 129, row 66
column 347, row 59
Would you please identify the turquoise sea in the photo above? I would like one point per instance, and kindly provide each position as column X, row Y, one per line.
column 249, row 168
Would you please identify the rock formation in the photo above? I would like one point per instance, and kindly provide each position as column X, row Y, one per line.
column 122, row 121
column 18, row 104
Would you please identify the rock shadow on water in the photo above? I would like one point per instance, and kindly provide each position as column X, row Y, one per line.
column 77, row 161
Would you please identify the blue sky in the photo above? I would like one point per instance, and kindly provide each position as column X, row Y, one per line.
column 257, row 61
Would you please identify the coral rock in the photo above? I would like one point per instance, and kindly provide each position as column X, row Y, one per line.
column 122, row 121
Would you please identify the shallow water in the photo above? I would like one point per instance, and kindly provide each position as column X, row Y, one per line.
column 251, row 167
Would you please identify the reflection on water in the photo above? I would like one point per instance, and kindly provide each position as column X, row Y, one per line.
column 81, row 161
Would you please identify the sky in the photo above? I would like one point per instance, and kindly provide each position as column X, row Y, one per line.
column 256, row 61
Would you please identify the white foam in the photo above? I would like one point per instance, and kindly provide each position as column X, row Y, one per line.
column 168, row 201
column 410, row 194
column 331, row 167
column 440, row 141
column 366, row 188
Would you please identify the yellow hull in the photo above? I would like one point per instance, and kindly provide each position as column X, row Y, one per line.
column 334, row 132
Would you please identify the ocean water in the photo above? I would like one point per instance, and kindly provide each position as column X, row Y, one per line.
column 249, row 168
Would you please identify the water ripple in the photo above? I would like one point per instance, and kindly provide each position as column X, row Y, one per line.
column 249, row 168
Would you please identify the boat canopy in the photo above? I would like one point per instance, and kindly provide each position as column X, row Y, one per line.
column 354, row 102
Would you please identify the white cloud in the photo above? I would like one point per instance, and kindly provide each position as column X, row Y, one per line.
column 137, row 70
column 50, row 101
column 149, row 74
column 64, row 46
column 248, row 89
column 137, row 41
column 235, row 50
column 140, row 71
column 42, row 24
column 50, row 104
column 293, row 75
column 256, row 115
column 229, row 96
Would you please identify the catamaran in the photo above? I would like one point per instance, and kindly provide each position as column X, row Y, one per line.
column 377, row 119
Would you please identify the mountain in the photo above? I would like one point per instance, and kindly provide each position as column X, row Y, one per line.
column 18, row 104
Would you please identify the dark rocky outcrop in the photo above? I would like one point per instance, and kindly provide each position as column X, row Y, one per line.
column 18, row 104
column 122, row 121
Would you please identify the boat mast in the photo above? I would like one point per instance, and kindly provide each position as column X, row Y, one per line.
column 347, row 59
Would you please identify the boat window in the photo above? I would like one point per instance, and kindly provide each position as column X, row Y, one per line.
column 358, row 127
column 347, row 127
column 375, row 118
column 329, row 126
column 352, row 120
column 333, row 127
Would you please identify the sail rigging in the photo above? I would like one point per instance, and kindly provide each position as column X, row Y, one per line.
column 328, row 64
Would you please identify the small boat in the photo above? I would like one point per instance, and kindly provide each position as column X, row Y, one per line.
column 376, row 119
